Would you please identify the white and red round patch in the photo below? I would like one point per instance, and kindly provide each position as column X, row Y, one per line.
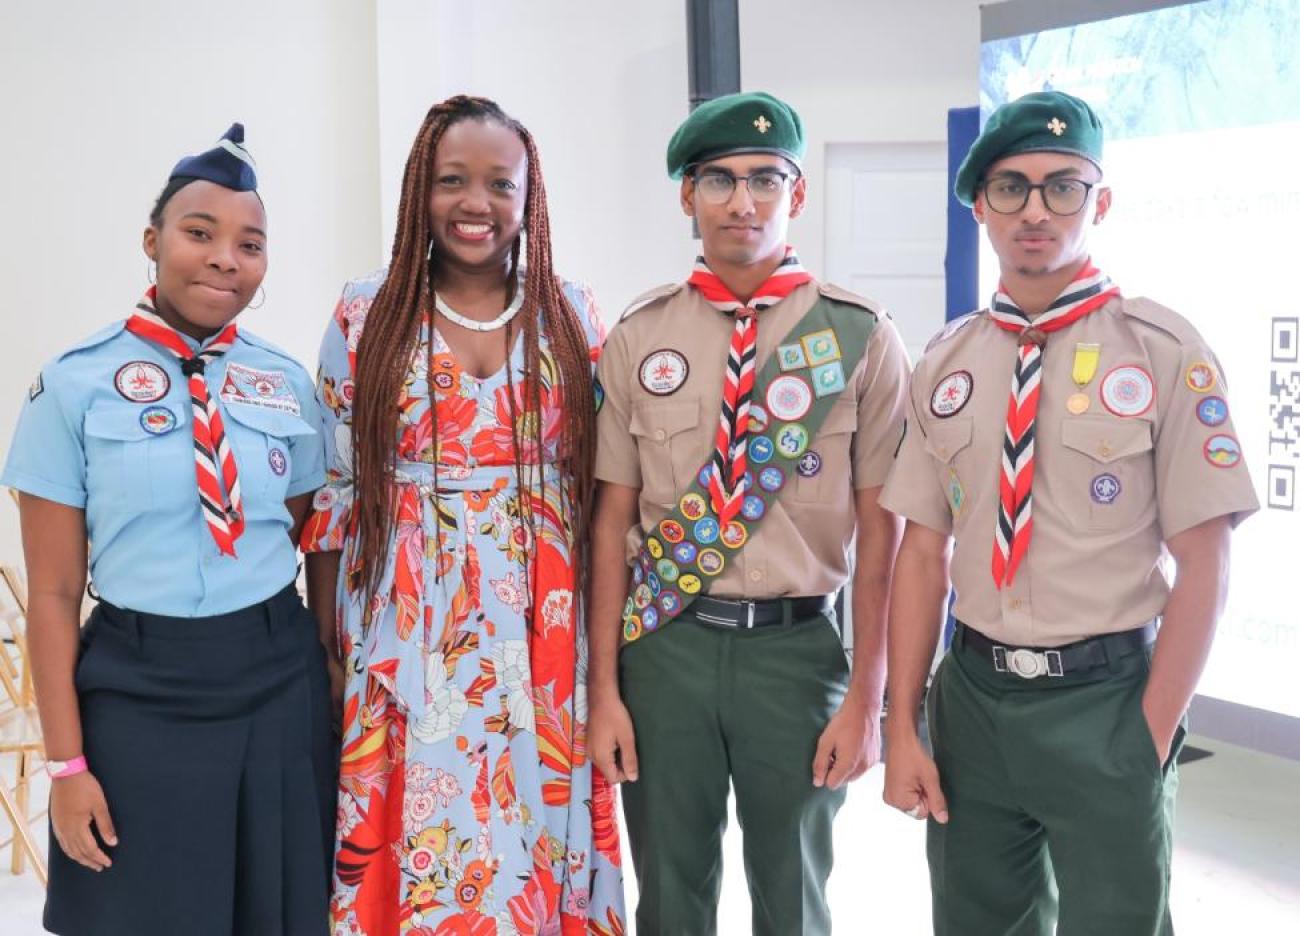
column 1128, row 390
column 663, row 372
column 951, row 393
column 789, row 397
column 142, row 381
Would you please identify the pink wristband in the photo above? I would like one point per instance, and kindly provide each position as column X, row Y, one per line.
column 70, row 768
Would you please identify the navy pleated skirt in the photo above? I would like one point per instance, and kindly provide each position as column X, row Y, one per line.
column 211, row 738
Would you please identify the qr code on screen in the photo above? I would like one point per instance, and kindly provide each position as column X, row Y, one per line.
column 1284, row 413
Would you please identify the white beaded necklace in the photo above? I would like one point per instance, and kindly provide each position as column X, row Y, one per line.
column 474, row 324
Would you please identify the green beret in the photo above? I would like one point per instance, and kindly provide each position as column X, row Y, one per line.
column 1045, row 121
column 752, row 122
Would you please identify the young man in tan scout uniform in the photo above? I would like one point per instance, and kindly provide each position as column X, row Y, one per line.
column 1068, row 439
column 749, row 419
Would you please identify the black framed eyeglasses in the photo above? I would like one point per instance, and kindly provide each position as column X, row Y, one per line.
column 717, row 185
column 1008, row 194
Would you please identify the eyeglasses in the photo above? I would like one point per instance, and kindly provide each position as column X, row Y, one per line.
column 1008, row 195
column 716, row 186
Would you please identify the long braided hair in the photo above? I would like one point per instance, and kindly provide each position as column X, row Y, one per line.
column 392, row 333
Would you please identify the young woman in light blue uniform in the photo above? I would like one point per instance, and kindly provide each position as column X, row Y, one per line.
column 187, row 726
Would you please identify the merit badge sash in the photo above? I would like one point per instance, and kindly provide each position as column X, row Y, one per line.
column 794, row 393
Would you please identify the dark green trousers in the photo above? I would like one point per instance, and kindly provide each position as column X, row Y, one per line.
column 713, row 707
column 1060, row 812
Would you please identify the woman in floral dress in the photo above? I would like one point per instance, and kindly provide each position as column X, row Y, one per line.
column 449, row 543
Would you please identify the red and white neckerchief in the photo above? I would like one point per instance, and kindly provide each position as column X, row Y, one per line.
column 219, row 495
column 730, row 461
column 1087, row 292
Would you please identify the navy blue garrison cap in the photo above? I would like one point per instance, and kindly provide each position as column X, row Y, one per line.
column 227, row 164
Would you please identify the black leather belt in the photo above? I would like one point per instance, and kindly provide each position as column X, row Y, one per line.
column 725, row 612
column 1032, row 662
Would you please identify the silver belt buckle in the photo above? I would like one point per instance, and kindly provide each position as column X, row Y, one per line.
column 1028, row 664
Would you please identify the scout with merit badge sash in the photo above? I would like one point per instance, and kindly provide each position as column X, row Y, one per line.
column 764, row 434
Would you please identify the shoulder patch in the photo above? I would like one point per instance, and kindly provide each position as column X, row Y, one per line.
column 951, row 329
column 98, row 338
column 646, row 298
column 1165, row 319
column 841, row 295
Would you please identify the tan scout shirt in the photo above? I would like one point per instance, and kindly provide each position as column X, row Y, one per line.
column 659, row 443
column 1108, row 489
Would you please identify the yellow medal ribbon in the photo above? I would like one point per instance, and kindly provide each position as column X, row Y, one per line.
column 1086, row 358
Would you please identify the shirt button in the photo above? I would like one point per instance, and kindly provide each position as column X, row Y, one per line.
column 660, row 435
column 756, row 575
column 1104, row 448
column 1015, row 604
column 943, row 451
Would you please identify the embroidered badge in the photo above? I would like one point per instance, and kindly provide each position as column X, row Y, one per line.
column 631, row 627
column 324, row 499
column 1201, row 377
column 758, row 419
column 761, row 450
column 821, row 347
column 638, row 575
column 265, row 389
column 752, row 508
column 951, row 393
column 1127, row 390
column 652, row 579
column 791, row 357
column 670, row 602
column 667, row 570
column 276, row 459
column 810, row 463
column 654, row 548
column 641, row 596
column 828, row 378
column 1105, row 488
column 689, row 583
column 685, row 552
column 710, row 561
column 694, row 506
column 672, row 531
column 735, row 534
column 598, row 392
column 1222, row 450
column 771, row 479
column 792, row 440
column 789, row 397
column 157, row 420
column 1212, row 411
column 663, row 372
column 37, row 387
column 650, row 618
column 142, row 381
column 706, row 531
column 956, row 494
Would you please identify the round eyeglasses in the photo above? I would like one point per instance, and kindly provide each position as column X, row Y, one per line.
column 1061, row 196
column 716, row 186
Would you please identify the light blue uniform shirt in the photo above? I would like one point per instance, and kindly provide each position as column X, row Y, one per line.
column 108, row 428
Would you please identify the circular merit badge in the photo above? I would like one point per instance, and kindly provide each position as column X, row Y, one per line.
column 689, row 583
column 278, row 462
column 734, row 534
column 771, row 479
column 951, row 393
column 685, row 552
column 694, row 506
column 671, row 531
column 142, row 381
column 1105, row 488
column 809, row 464
column 157, row 420
column 654, row 548
column 760, row 450
column 1222, row 450
column 706, row 531
column 1128, row 391
column 324, row 499
column 1201, row 377
column 1212, row 411
column 670, row 602
column 710, row 562
column 789, row 397
column 663, row 371
column 792, row 440
column 758, row 419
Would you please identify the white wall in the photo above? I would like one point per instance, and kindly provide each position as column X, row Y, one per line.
column 101, row 99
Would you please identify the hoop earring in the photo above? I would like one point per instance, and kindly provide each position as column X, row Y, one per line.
column 261, row 302
column 151, row 272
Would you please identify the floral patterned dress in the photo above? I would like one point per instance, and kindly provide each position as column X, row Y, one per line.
column 467, row 804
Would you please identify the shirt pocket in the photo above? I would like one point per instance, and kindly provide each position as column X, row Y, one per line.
column 1108, row 473
column 128, row 448
column 262, row 442
column 663, row 439
column 830, row 483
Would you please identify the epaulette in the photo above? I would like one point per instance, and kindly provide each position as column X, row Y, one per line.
column 259, row 342
column 951, row 329
column 840, row 294
column 643, row 300
column 1167, row 320
column 98, row 338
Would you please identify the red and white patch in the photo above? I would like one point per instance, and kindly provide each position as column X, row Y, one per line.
column 142, row 381
column 1128, row 390
column 324, row 499
column 663, row 372
column 951, row 393
column 789, row 397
